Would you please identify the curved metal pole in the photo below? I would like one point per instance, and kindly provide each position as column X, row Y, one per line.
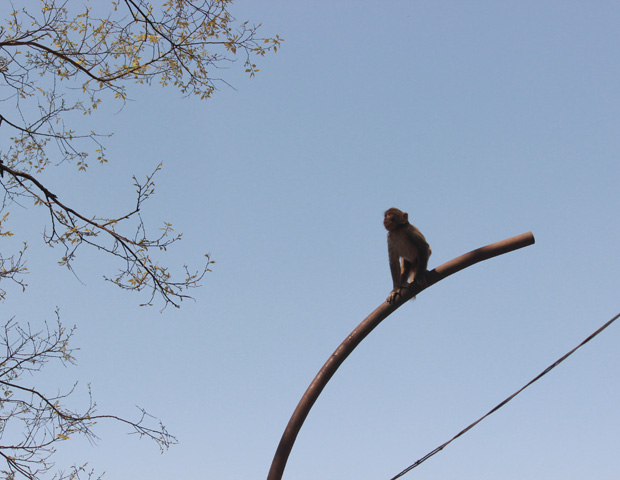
column 367, row 326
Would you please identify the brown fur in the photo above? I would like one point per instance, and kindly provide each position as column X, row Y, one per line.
column 408, row 250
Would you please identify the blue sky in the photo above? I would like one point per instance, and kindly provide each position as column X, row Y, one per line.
column 481, row 119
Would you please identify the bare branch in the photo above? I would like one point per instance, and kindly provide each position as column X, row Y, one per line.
column 33, row 422
column 139, row 271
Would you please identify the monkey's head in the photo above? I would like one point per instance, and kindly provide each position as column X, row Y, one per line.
column 395, row 219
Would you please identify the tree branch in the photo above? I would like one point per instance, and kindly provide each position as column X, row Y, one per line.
column 56, row 53
column 368, row 324
column 126, row 248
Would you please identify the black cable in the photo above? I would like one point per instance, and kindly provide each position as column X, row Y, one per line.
column 500, row 405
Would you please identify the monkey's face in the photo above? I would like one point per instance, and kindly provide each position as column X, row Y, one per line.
column 393, row 219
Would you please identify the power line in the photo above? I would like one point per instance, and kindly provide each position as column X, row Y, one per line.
column 500, row 405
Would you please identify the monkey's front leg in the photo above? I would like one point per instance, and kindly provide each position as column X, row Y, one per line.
column 395, row 293
column 393, row 296
column 398, row 280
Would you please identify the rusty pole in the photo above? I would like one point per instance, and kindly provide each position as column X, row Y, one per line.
column 363, row 329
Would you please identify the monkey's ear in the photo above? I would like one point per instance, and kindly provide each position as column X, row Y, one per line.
column 406, row 215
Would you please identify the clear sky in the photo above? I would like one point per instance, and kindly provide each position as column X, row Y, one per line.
column 483, row 120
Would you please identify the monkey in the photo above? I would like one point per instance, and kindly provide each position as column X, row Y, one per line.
column 407, row 244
